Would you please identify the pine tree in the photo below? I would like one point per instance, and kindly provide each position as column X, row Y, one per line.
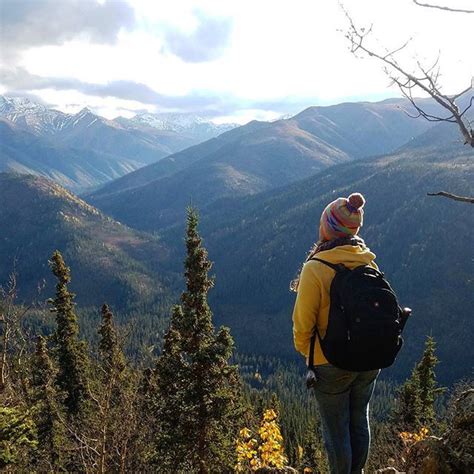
column 70, row 353
column 197, row 399
column 17, row 438
column 114, row 403
column 111, row 357
column 310, row 460
column 408, row 413
column 417, row 395
column 50, row 431
column 427, row 380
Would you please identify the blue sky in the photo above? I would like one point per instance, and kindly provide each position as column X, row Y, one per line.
column 229, row 60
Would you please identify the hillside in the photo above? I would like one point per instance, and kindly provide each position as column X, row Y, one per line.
column 109, row 261
column 423, row 244
column 74, row 168
column 253, row 159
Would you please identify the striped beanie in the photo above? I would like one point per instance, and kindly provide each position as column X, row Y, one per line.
column 342, row 217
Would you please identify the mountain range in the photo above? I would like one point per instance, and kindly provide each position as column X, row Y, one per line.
column 260, row 189
column 255, row 158
column 108, row 149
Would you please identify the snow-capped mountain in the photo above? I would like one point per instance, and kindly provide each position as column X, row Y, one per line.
column 173, row 122
column 31, row 116
column 190, row 124
column 40, row 120
column 88, row 149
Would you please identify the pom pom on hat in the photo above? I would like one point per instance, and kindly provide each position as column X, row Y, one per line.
column 342, row 217
column 356, row 200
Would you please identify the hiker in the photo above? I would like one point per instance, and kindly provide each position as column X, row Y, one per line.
column 342, row 395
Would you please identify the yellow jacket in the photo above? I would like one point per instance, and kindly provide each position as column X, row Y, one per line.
column 312, row 300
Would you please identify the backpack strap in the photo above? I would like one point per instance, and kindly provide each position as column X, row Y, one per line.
column 311, row 348
column 337, row 267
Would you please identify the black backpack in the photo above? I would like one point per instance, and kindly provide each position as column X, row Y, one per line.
column 365, row 320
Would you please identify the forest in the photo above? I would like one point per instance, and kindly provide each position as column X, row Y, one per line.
column 190, row 403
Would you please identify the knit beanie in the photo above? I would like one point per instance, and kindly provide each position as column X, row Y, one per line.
column 342, row 217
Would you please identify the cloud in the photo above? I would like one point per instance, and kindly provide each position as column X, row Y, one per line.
column 27, row 95
column 32, row 23
column 20, row 82
column 206, row 43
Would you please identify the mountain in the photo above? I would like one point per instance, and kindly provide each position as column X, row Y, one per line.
column 187, row 124
column 75, row 168
column 105, row 144
column 145, row 145
column 31, row 116
column 423, row 244
column 109, row 261
column 90, row 131
column 255, row 158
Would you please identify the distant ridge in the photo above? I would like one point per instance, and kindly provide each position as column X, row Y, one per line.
column 193, row 125
column 255, row 158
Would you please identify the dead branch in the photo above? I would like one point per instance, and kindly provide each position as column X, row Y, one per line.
column 441, row 7
column 453, row 196
column 406, row 81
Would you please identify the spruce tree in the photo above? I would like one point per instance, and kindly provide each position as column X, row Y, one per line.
column 111, row 357
column 418, row 393
column 197, row 396
column 115, row 399
column 427, row 383
column 50, row 432
column 69, row 351
column 311, row 450
column 17, row 438
column 408, row 413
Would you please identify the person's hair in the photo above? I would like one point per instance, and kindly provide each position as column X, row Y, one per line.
column 326, row 245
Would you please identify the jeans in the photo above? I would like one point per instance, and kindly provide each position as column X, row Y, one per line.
column 343, row 399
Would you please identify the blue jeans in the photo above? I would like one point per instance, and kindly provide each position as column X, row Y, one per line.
column 343, row 399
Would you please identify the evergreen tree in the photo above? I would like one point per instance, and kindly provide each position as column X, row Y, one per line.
column 50, row 432
column 197, row 399
column 70, row 353
column 311, row 456
column 408, row 413
column 427, row 380
column 17, row 438
column 111, row 356
column 417, row 394
column 115, row 398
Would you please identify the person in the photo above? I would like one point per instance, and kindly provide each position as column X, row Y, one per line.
column 342, row 396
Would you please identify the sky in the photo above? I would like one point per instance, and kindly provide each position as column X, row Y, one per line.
column 229, row 60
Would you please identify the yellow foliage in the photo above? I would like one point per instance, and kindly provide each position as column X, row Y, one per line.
column 412, row 438
column 267, row 451
column 300, row 452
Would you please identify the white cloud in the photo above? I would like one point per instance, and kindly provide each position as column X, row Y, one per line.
column 73, row 101
column 277, row 52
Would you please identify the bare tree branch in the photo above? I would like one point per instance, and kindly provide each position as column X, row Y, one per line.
column 453, row 196
column 407, row 81
column 441, row 7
